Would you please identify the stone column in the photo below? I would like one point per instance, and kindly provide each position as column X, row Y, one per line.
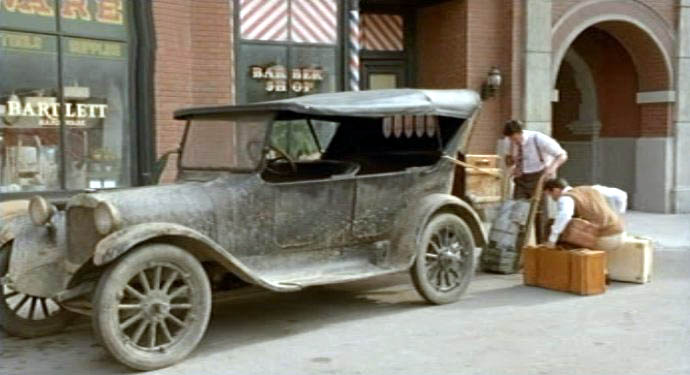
column 681, row 188
column 537, row 89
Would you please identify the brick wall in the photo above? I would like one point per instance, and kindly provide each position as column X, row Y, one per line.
column 193, row 63
column 490, row 42
column 441, row 43
column 457, row 51
column 655, row 119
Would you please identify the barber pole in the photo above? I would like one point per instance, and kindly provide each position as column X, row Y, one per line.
column 354, row 49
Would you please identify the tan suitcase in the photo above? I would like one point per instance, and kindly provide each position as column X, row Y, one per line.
column 587, row 272
column 579, row 271
column 633, row 261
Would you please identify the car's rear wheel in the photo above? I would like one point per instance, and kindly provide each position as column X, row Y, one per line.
column 445, row 259
column 152, row 307
column 28, row 316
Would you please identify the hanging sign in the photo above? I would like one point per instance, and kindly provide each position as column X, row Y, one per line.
column 301, row 80
column 101, row 11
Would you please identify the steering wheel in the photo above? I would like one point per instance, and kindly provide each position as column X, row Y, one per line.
column 282, row 155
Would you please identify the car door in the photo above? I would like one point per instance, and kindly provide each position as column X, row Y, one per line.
column 313, row 214
column 309, row 213
column 379, row 199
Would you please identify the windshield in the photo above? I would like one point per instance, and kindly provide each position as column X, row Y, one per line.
column 235, row 143
column 303, row 139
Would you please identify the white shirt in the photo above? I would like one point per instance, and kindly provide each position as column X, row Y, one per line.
column 616, row 198
column 547, row 147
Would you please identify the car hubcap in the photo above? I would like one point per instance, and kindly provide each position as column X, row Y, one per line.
column 154, row 308
column 445, row 258
column 29, row 307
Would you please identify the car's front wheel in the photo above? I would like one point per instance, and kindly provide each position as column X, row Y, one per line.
column 25, row 315
column 152, row 307
column 445, row 259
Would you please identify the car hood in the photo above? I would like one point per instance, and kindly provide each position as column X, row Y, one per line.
column 186, row 204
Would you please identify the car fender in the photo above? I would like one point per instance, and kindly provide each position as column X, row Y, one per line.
column 413, row 221
column 118, row 243
column 10, row 212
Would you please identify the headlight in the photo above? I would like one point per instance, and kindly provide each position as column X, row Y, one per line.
column 40, row 210
column 106, row 217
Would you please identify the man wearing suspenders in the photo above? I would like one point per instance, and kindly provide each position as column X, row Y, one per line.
column 531, row 155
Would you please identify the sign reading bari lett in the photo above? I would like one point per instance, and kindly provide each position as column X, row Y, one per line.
column 49, row 112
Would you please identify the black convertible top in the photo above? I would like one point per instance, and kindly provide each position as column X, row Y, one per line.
column 371, row 103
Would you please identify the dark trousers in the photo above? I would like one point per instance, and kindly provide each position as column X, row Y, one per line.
column 525, row 186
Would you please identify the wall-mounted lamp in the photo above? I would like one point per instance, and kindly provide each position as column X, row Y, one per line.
column 492, row 84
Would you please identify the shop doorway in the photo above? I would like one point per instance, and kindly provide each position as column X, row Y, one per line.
column 386, row 74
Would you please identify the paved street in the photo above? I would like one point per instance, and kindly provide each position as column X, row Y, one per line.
column 381, row 326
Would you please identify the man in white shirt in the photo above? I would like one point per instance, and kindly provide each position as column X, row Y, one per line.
column 598, row 204
column 531, row 155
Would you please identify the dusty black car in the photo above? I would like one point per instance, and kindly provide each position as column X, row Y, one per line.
column 283, row 195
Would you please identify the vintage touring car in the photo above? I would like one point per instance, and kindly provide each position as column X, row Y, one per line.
column 283, row 195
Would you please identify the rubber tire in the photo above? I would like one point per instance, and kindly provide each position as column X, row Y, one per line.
column 418, row 270
column 114, row 279
column 20, row 327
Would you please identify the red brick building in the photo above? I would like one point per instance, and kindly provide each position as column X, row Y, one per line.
column 610, row 79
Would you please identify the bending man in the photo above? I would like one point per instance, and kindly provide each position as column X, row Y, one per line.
column 597, row 204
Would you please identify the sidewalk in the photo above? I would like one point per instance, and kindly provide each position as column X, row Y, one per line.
column 667, row 231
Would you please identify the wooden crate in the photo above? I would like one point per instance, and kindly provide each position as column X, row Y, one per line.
column 483, row 161
column 578, row 271
column 483, row 188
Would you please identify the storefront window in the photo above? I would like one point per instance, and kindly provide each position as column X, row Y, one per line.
column 80, row 139
column 287, row 48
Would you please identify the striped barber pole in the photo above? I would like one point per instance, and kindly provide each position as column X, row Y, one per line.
column 314, row 21
column 382, row 32
column 264, row 20
column 354, row 37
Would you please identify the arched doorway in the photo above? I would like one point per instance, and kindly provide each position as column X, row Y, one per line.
column 610, row 110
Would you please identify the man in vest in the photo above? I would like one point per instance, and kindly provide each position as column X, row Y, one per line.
column 597, row 204
column 531, row 155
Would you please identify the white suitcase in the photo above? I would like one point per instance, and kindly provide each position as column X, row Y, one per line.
column 632, row 262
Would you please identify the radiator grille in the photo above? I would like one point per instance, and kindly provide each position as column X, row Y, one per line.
column 82, row 235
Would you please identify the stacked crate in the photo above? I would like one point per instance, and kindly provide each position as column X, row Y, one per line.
column 502, row 255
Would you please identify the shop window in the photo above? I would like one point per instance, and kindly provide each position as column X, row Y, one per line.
column 81, row 138
column 383, row 32
column 287, row 48
column 299, row 21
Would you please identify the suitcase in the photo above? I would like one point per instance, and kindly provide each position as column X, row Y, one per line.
column 633, row 261
column 547, row 268
column 579, row 271
column 587, row 272
column 580, row 233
